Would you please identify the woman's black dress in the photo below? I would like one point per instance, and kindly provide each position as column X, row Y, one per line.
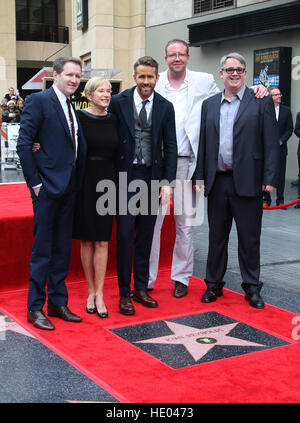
column 102, row 143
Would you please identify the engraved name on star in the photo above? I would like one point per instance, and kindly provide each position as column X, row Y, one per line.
column 199, row 341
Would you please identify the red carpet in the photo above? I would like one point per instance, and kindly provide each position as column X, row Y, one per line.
column 16, row 231
column 127, row 371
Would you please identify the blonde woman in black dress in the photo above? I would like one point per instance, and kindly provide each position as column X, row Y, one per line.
column 93, row 229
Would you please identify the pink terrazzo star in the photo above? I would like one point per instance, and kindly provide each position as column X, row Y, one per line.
column 7, row 324
column 199, row 341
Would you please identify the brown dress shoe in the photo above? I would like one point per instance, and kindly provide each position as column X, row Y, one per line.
column 126, row 306
column 141, row 296
column 180, row 290
column 39, row 320
column 63, row 313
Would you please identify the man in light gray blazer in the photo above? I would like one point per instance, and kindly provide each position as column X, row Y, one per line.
column 187, row 90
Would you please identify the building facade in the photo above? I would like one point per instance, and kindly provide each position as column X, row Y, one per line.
column 106, row 34
column 112, row 34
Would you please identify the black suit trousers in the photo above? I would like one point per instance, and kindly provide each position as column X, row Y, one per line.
column 224, row 205
column 51, row 250
column 134, row 236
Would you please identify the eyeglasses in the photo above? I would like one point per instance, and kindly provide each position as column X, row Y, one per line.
column 230, row 71
column 175, row 55
column 276, row 95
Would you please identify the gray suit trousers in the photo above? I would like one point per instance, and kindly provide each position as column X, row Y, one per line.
column 183, row 253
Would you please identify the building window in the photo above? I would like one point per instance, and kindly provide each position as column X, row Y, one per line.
column 86, row 60
column 37, row 20
column 202, row 6
column 37, row 11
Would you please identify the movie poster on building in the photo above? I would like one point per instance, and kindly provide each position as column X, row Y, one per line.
column 266, row 67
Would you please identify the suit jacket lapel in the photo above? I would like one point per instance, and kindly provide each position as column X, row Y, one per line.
column 60, row 112
column 161, row 84
column 191, row 93
column 279, row 114
column 217, row 106
column 126, row 105
column 157, row 116
column 244, row 104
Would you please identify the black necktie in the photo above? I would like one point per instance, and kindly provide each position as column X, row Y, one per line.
column 72, row 128
column 143, row 114
column 143, row 121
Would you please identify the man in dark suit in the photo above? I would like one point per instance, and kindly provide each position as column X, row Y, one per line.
column 285, row 126
column 238, row 158
column 297, row 132
column 53, row 175
column 148, row 153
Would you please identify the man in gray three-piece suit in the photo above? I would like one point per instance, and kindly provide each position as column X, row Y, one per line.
column 147, row 153
column 238, row 159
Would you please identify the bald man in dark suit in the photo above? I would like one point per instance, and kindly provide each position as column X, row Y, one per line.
column 285, row 126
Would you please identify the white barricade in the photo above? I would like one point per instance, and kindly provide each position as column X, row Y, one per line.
column 9, row 138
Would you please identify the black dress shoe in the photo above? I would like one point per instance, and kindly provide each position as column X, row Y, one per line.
column 211, row 294
column 297, row 206
column 180, row 290
column 91, row 310
column 39, row 320
column 126, row 306
column 255, row 299
column 63, row 313
column 102, row 315
column 141, row 296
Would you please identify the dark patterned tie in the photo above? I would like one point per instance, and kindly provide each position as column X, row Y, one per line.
column 143, row 121
column 72, row 129
column 143, row 114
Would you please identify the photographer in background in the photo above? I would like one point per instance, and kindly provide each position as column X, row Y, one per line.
column 12, row 95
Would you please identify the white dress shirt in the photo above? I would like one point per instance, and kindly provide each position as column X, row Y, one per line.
column 179, row 100
column 138, row 101
column 63, row 101
column 277, row 112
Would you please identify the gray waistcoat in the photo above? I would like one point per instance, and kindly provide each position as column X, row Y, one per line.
column 143, row 137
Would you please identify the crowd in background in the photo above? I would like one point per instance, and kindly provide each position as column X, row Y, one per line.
column 11, row 107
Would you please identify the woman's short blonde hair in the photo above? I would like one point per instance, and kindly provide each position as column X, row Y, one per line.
column 94, row 83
